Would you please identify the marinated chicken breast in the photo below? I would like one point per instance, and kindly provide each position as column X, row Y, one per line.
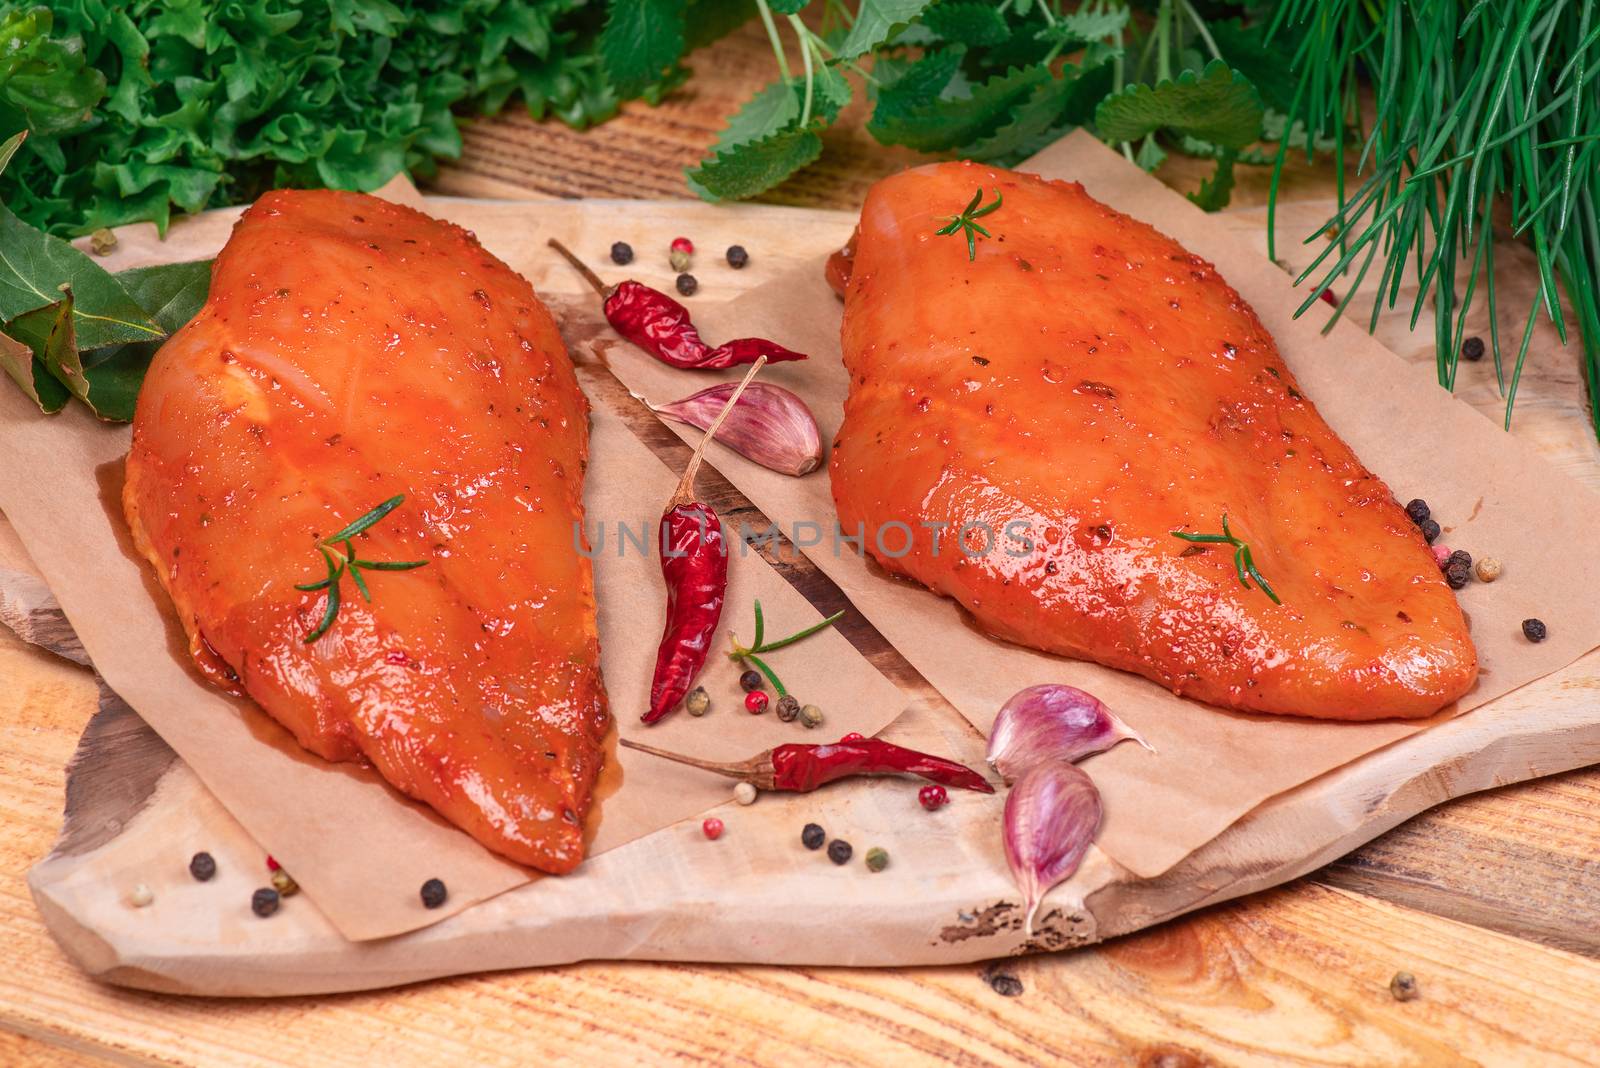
column 1075, row 394
column 353, row 350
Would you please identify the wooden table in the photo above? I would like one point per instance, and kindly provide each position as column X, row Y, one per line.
column 1489, row 901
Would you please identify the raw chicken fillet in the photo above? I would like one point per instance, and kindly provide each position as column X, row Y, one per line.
column 352, row 350
column 1081, row 390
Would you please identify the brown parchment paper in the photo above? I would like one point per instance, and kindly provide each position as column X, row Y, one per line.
column 358, row 849
column 1490, row 493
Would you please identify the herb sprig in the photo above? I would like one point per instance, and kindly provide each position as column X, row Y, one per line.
column 339, row 554
column 1242, row 560
column 760, row 645
column 967, row 221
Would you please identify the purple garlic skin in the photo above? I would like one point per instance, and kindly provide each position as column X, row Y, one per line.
column 769, row 425
column 1052, row 816
column 1053, row 722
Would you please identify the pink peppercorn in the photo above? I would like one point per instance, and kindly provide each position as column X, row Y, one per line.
column 853, row 736
column 683, row 244
column 272, row 865
column 755, row 702
column 933, row 797
column 1329, row 298
column 1441, row 555
column 712, row 828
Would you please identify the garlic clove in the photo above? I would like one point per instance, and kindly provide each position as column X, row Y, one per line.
column 1052, row 816
column 1053, row 722
column 769, row 425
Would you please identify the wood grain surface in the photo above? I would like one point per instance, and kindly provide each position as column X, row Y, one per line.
column 1296, row 975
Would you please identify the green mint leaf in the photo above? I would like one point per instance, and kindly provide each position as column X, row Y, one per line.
column 774, row 108
column 875, row 20
column 641, row 42
column 831, row 93
column 1268, row 64
column 969, row 22
column 1083, row 27
column 27, row 371
column 1033, row 125
column 1217, row 105
column 903, row 88
column 1215, row 192
column 787, row 7
column 756, row 166
column 952, row 122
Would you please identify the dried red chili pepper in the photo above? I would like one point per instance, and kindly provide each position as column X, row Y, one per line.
column 803, row 768
column 694, row 563
column 662, row 327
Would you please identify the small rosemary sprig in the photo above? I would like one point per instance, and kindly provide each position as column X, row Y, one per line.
column 759, row 645
column 1242, row 560
column 339, row 553
column 967, row 223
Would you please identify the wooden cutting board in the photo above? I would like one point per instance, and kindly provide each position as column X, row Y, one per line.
column 755, row 895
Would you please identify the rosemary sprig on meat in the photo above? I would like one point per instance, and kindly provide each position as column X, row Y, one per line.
column 339, row 554
column 967, row 223
column 1242, row 560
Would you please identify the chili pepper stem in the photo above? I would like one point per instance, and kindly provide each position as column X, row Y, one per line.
column 685, row 491
column 582, row 268
column 756, row 771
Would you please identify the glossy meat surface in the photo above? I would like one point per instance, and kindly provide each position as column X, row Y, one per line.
column 352, row 350
column 1090, row 380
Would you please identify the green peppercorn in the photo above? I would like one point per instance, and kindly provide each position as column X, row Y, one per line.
column 284, row 884
column 750, row 681
column 737, row 257
column 621, row 253
column 839, row 851
column 1534, row 630
column 698, row 703
column 203, row 866
column 877, row 859
column 788, row 708
column 433, row 893
column 811, row 715
column 687, row 284
column 812, row 836
column 264, row 902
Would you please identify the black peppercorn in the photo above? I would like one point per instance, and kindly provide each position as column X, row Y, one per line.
column 788, row 708
column 1457, row 574
column 1534, row 630
column 1460, row 556
column 750, row 681
column 1418, row 511
column 264, row 902
column 737, row 257
column 687, row 284
column 433, row 893
column 1430, row 530
column 203, row 866
column 839, row 851
column 1472, row 348
column 621, row 253
column 812, row 836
